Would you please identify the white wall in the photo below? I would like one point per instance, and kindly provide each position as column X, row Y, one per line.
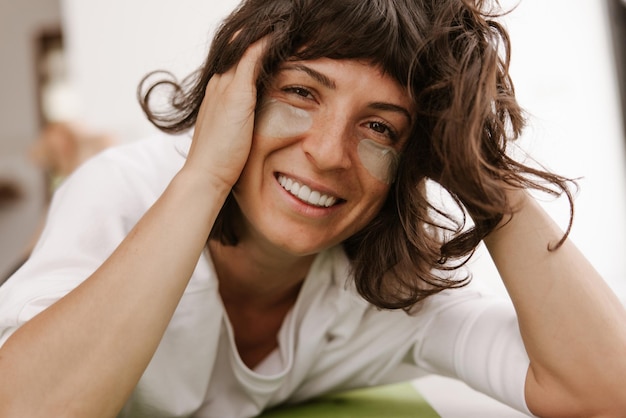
column 561, row 65
column 113, row 44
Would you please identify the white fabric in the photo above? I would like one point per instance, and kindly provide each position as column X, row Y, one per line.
column 331, row 340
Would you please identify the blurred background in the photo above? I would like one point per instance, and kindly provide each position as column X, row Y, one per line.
column 69, row 71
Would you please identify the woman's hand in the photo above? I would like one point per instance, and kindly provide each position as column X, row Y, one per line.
column 223, row 132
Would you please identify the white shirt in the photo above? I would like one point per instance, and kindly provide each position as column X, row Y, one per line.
column 331, row 340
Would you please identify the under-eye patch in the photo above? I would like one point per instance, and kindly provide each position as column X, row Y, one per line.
column 379, row 160
column 280, row 120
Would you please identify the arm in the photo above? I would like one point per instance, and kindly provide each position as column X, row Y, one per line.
column 572, row 324
column 83, row 355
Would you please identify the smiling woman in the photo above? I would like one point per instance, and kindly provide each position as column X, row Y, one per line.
column 324, row 158
column 287, row 247
column 432, row 68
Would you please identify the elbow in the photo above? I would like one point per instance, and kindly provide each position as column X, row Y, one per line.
column 616, row 410
column 552, row 399
column 10, row 403
column 588, row 408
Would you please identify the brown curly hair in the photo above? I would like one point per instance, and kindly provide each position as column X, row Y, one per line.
column 452, row 56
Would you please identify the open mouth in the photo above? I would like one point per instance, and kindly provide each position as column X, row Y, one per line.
column 305, row 193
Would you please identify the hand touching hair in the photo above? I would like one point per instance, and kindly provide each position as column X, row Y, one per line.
column 452, row 56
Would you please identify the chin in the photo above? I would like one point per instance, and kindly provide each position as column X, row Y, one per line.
column 302, row 248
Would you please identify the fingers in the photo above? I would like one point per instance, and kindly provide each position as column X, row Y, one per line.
column 239, row 80
column 247, row 69
column 236, row 88
column 249, row 65
column 225, row 122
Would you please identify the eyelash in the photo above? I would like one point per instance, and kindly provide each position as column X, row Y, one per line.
column 388, row 131
column 298, row 90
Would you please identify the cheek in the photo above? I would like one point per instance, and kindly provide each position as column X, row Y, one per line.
column 280, row 120
column 380, row 161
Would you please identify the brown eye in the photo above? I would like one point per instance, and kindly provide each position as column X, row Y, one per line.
column 379, row 127
column 300, row 91
column 383, row 129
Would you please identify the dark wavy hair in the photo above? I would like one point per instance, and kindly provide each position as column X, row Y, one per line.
column 452, row 56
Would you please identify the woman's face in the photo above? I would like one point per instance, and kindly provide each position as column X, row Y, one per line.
column 324, row 153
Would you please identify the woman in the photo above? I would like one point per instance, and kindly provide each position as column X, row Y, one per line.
column 290, row 248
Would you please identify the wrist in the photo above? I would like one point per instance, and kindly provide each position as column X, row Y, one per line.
column 202, row 183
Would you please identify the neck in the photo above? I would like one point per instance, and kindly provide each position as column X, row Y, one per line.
column 258, row 276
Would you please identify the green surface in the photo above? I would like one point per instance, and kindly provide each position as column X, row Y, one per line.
column 397, row 401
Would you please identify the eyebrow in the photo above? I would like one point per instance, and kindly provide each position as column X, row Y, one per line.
column 330, row 84
column 316, row 75
column 392, row 108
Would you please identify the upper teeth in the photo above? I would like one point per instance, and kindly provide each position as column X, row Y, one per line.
column 304, row 193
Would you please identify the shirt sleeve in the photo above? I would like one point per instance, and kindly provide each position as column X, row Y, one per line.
column 88, row 217
column 473, row 336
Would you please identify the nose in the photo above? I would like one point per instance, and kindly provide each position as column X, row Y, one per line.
column 327, row 146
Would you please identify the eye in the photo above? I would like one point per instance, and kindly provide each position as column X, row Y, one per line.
column 383, row 129
column 300, row 91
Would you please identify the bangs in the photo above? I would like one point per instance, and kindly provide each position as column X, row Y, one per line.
column 371, row 31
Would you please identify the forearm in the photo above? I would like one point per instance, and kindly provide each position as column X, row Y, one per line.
column 86, row 353
column 571, row 322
